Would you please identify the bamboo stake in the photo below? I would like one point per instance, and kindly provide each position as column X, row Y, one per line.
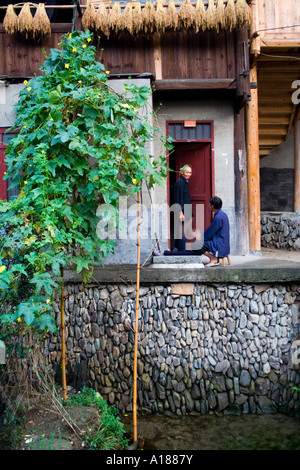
column 136, row 323
column 63, row 338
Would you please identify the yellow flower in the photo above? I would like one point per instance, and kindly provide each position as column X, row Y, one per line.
column 67, row 66
column 107, row 72
column 134, row 181
column 25, row 82
column 25, row 182
column 84, row 46
column 70, row 36
column 48, row 301
column 89, row 40
column 25, row 127
column 42, row 151
column 2, row 269
column 29, row 88
column 79, row 81
column 74, row 49
column 19, row 320
column 5, row 173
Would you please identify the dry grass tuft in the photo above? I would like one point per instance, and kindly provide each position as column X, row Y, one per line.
column 160, row 16
column 10, row 21
column 41, row 22
column 230, row 15
column 88, row 18
column 148, row 15
column 102, row 20
column 25, row 21
column 186, row 15
column 243, row 13
column 172, row 16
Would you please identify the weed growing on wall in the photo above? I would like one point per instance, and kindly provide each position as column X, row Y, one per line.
column 79, row 144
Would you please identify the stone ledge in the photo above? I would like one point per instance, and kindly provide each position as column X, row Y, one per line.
column 254, row 269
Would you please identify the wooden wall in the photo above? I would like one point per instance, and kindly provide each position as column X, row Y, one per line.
column 183, row 55
column 278, row 17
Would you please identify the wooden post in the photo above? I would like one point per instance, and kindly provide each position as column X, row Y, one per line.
column 253, row 166
column 63, row 338
column 297, row 166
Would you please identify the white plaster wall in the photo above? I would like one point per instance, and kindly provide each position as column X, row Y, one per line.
column 281, row 156
column 9, row 95
column 221, row 113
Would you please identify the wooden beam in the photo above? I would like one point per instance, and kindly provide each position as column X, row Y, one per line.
column 157, row 56
column 253, row 167
column 194, row 84
column 297, row 167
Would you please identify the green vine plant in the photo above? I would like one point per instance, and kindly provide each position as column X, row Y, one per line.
column 78, row 144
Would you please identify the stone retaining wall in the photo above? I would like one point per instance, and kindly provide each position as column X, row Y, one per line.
column 202, row 348
column 280, row 230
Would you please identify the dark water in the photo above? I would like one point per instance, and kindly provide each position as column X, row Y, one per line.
column 211, row 432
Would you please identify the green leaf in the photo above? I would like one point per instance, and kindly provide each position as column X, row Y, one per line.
column 43, row 281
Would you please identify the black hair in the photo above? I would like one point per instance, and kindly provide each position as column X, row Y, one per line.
column 216, row 202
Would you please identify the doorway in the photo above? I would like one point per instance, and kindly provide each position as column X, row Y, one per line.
column 197, row 152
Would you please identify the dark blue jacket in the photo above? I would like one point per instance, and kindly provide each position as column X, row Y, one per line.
column 216, row 236
column 181, row 192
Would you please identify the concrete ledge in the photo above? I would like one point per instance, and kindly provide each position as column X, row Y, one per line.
column 243, row 269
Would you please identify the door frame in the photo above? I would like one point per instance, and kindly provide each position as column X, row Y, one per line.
column 191, row 141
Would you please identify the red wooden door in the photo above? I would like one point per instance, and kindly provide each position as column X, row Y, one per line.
column 198, row 155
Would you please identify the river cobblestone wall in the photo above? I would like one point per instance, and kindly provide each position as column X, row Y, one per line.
column 280, row 230
column 202, row 348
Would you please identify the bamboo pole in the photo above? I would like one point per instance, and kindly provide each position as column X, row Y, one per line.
column 136, row 323
column 63, row 339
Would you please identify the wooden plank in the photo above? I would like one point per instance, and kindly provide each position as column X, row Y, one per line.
column 194, row 84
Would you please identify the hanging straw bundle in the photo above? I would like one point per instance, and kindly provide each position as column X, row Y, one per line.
column 88, row 18
column 210, row 15
column 230, row 15
column 41, row 22
column 102, row 20
column 172, row 16
column 186, row 15
column 220, row 15
column 10, row 21
column 127, row 18
column 160, row 16
column 200, row 21
column 115, row 18
column 25, row 21
column 137, row 18
column 243, row 13
column 148, row 15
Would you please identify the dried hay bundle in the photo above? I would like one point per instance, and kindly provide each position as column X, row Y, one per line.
column 88, row 18
column 230, row 15
column 102, row 20
column 200, row 21
column 186, row 15
column 172, row 16
column 127, row 18
column 148, row 15
column 210, row 15
column 25, row 21
column 160, row 17
column 220, row 15
column 10, row 21
column 243, row 13
column 137, row 18
column 115, row 18
column 41, row 22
